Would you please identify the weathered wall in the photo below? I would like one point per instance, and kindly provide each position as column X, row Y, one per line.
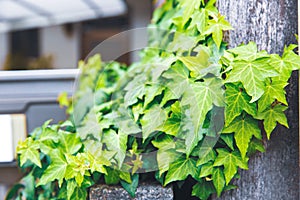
column 271, row 24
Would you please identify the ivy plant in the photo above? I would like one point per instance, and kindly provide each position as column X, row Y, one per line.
column 191, row 108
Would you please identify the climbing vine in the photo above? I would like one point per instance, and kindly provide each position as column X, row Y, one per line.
column 189, row 108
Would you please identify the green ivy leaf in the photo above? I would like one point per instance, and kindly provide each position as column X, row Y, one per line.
column 206, row 169
column 56, row 170
column 97, row 163
column 231, row 162
column 192, row 137
column 89, row 126
column 199, row 20
column 216, row 28
column 152, row 120
column 237, row 101
column 243, row 128
column 287, row 63
column 255, row 145
column 271, row 116
column 77, row 168
column 131, row 187
column 248, row 52
column 252, row 74
column 71, row 185
column 179, row 82
column 218, row 180
column 112, row 177
column 125, row 122
column 205, row 94
column 69, row 142
column 197, row 64
column 160, row 65
column 206, row 150
column 135, row 89
column 28, row 150
column 79, row 193
column 228, row 139
column 172, row 124
column 203, row 189
column 189, row 7
column 180, row 169
column 151, row 92
column 181, row 43
column 29, row 190
column 166, row 153
column 116, row 142
column 125, row 176
column 274, row 91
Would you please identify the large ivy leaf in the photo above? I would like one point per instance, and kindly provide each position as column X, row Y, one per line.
column 180, row 169
column 179, row 82
column 237, row 101
column 152, row 120
column 231, row 161
column 89, row 126
column 252, row 74
column 243, row 128
column 200, row 97
column 274, row 91
column 271, row 116
column 116, row 142
column 29, row 151
column 203, row 189
column 218, row 180
column 56, row 170
column 69, row 142
column 216, row 28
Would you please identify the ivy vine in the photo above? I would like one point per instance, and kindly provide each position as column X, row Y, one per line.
column 190, row 101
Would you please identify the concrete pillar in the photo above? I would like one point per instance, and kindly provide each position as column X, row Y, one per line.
column 62, row 44
column 4, row 48
column 140, row 16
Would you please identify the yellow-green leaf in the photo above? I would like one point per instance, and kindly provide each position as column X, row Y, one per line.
column 244, row 128
column 271, row 116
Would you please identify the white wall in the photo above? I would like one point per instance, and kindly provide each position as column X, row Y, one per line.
column 4, row 48
column 64, row 48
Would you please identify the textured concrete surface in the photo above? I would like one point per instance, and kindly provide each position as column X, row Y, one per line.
column 271, row 24
column 144, row 192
